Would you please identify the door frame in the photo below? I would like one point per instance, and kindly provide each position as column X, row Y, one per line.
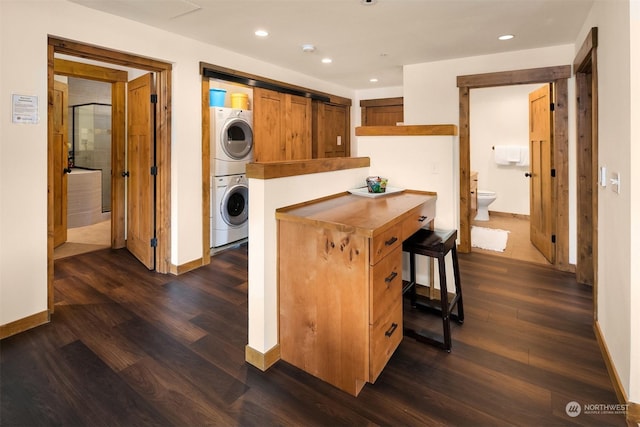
column 557, row 75
column 163, row 133
column 586, row 72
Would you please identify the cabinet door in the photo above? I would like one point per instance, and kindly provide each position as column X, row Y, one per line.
column 268, row 135
column 297, row 115
column 330, row 130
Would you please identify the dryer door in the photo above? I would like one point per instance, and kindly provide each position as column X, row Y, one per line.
column 234, row 206
column 236, row 138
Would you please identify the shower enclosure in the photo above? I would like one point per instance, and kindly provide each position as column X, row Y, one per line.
column 90, row 146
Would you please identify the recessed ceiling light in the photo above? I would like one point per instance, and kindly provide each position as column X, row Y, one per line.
column 506, row 37
column 373, row 80
column 327, row 60
column 308, row 48
column 261, row 33
column 368, row 2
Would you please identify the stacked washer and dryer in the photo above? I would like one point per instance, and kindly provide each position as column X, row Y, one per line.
column 231, row 150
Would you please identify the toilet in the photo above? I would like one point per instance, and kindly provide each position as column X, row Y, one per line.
column 485, row 198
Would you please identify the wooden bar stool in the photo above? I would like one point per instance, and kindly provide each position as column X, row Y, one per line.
column 435, row 244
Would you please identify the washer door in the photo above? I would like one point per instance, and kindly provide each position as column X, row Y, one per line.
column 236, row 138
column 234, row 206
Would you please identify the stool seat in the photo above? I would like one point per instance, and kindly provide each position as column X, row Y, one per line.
column 435, row 244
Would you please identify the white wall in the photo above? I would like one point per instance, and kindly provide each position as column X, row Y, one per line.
column 618, row 221
column 23, row 70
column 500, row 116
column 265, row 196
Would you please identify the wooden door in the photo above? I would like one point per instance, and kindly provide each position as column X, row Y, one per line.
column 141, row 174
column 382, row 112
column 330, row 130
column 297, row 127
column 60, row 161
column 541, row 191
column 268, row 137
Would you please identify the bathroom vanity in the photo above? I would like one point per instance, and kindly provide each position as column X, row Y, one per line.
column 340, row 282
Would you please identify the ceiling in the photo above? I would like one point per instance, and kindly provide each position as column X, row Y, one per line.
column 364, row 41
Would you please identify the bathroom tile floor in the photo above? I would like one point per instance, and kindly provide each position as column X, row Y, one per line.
column 518, row 244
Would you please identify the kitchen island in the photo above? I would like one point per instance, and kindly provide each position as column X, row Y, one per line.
column 340, row 282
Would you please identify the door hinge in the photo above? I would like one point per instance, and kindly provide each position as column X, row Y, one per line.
column 553, row 238
column 553, row 173
column 553, row 106
column 154, row 98
column 125, row 174
column 154, row 242
column 154, row 170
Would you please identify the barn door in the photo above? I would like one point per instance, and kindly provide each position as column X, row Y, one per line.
column 141, row 170
column 541, row 190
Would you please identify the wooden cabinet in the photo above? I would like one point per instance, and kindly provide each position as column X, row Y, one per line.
column 382, row 112
column 474, row 194
column 340, row 282
column 331, row 136
column 281, row 126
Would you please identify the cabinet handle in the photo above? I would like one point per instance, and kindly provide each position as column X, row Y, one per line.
column 389, row 278
column 422, row 218
column 391, row 241
column 391, row 330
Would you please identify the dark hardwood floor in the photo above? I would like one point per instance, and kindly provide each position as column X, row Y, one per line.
column 133, row 348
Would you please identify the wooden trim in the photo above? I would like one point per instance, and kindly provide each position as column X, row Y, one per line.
column 557, row 75
column 409, row 130
column 177, row 270
column 262, row 361
column 633, row 413
column 24, row 324
column 582, row 61
column 516, row 77
column 304, row 167
column 608, row 361
column 91, row 72
column 464, row 234
column 382, row 102
column 97, row 53
column 206, row 173
column 333, row 99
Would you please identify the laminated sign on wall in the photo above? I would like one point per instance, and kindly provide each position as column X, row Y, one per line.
column 25, row 109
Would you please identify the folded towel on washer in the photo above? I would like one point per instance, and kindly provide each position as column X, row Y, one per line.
column 507, row 154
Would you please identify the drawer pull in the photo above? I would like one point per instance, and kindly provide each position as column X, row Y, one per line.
column 389, row 278
column 391, row 241
column 391, row 330
column 422, row 218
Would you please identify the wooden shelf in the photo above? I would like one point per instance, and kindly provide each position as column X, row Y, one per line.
column 408, row 130
column 268, row 170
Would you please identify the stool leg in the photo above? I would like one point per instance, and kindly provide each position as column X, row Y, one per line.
column 444, row 303
column 412, row 278
column 456, row 274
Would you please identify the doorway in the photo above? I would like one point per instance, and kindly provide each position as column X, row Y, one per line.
column 161, row 129
column 500, row 126
column 556, row 75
